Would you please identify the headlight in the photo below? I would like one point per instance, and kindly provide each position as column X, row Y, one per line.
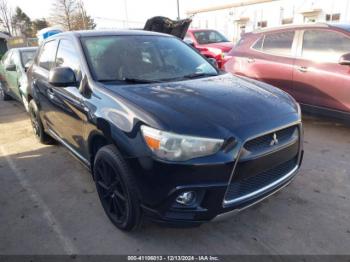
column 175, row 147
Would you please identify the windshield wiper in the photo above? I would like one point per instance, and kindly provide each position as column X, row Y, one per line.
column 195, row 75
column 140, row 81
column 129, row 80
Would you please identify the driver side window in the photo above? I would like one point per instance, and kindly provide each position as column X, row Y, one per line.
column 67, row 56
column 47, row 55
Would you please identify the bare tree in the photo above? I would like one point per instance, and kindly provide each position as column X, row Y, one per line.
column 6, row 16
column 82, row 21
column 83, row 14
column 64, row 12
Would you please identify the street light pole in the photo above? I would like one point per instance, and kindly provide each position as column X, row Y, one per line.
column 126, row 14
column 178, row 9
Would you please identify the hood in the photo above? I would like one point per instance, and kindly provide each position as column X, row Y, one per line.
column 165, row 25
column 225, row 47
column 224, row 104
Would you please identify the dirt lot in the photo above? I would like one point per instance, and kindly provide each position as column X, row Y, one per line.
column 48, row 204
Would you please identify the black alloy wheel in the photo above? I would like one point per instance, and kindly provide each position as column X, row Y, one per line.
column 37, row 125
column 116, row 189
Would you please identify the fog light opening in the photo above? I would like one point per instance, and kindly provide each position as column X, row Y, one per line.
column 186, row 198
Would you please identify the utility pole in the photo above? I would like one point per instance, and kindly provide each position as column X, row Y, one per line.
column 178, row 9
column 126, row 14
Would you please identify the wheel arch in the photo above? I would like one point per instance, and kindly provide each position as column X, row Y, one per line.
column 100, row 137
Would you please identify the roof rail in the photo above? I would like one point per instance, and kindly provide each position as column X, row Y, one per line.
column 291, row 26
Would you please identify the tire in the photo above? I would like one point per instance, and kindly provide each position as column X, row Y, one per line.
column 37, row 125
column 3, row 95
column 117, row 189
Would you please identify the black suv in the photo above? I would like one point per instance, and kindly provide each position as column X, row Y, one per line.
column 165, row 133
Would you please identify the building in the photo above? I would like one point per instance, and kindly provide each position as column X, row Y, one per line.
column 245, row 16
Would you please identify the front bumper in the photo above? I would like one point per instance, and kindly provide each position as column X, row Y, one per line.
column 167, row 182
column 196, row 217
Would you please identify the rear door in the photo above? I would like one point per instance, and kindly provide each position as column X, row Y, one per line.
column 270, row 59
column 4, row 62
column 40, row 76
column 12, row 77
column 319, row 79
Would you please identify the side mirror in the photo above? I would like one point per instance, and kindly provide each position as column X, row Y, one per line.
column 27, row 65
column 62, row 77
column 213, row 61
column 11, row 67
column 189, row 41
column 345, row 59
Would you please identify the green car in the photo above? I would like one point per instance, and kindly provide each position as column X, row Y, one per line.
column 13, row 78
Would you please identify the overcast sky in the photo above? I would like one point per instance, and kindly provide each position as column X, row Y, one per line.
column 107, row 12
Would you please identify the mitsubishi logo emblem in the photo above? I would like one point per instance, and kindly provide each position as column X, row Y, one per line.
column 274, row 140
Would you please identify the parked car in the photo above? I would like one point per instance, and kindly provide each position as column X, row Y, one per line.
column 310, row 62
column 210, row 43
column 13, row 76
column 165, row 133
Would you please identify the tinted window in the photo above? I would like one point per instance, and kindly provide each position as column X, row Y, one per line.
column 323, row 45
column 209, row 36
column 47, row 55
column 279, row 43
column 115, row 58
column 27, row 56
column 67, row 56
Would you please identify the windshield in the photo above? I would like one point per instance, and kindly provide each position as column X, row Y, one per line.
column 209, row 37
column 147, row 58
column 27, row 56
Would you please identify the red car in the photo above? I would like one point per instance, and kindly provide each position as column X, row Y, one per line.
column 310, row 62
column 210, row 43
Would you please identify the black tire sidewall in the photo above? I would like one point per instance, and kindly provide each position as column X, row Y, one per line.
column 111, row 155
column 41, row 136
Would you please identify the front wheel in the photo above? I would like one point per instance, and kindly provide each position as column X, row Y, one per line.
column 116, row 188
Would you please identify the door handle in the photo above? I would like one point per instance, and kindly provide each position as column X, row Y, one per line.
column 250, row 60
column 302, row 69
column 50, row 93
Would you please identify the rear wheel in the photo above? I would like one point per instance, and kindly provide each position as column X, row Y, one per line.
column 116, row 188
column 37, row 125
column 3, row 95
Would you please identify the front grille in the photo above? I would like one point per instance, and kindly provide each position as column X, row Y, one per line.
column 252, row 184
column 261, row 143
column 263, row 165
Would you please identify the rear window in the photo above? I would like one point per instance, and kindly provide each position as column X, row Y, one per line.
column 27, row 56
column 209, row 37
column 276, row 43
